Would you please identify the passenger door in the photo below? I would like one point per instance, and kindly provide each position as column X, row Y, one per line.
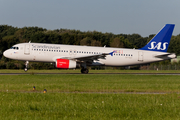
column 27, row 49
column 140, row 56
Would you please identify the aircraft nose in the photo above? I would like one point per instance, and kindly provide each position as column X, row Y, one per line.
column 5, row 53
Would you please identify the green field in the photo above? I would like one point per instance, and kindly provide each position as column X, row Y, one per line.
column 90, row 96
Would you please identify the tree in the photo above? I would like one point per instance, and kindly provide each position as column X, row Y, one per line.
column 174, row 45
column 95, row 43
column 86, row 41
column 117, row 42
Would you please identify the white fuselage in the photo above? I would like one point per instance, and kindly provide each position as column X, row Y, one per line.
column 40, row 52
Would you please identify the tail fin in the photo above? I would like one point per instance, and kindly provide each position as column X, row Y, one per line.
column 160, row 42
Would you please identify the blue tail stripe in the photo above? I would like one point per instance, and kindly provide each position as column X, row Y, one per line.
column 161, row 41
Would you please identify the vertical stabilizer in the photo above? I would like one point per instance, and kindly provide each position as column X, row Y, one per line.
column 161, row 41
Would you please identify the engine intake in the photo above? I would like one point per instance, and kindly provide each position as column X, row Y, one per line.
column 65, row 63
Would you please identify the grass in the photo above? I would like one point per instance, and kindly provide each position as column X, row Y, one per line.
column 88, row 106
column 91, row 83
column 90, row 96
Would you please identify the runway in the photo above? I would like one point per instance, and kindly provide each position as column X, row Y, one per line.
column 26, row 73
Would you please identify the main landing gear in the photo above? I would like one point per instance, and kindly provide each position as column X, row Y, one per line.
column 26, row 66
column 84, row 70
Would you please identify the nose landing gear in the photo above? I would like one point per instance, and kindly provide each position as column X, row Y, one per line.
column 26, row 66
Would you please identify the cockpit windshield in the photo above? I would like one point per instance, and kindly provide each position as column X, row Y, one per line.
column 16, row 48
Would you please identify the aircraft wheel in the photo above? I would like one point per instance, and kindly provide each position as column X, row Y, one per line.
column 25, row 69
column 84, row 70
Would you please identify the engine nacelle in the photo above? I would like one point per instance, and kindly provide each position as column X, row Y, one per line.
column 65, row 63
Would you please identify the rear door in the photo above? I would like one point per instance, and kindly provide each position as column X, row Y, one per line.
column 140, row 56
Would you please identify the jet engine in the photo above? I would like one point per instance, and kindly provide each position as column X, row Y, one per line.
column 65, row 63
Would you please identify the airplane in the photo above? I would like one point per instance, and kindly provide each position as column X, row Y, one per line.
column 73, row 56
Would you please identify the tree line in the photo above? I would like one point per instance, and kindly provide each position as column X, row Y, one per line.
column 10, row 35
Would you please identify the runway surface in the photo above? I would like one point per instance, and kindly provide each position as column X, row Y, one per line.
column 26, row 73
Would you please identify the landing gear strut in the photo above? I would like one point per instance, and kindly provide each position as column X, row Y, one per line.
column 84, row 70
column 26, row 66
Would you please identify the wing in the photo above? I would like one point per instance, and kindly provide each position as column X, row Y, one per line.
column 88, row 58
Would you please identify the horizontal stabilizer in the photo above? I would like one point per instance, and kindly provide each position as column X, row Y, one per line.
column 170, row 55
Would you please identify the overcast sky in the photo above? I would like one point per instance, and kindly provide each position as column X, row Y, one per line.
column 144, row 17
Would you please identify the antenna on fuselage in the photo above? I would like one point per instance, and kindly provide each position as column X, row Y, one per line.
column 104, row 46
column 29, row 41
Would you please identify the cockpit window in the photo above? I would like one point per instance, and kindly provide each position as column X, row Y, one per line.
column 16, row 48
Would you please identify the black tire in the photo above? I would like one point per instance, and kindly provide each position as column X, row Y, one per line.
column 84, row 71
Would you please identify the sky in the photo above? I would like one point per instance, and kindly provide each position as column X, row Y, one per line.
column 143, row 17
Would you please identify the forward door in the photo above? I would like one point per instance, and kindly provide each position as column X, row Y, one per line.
column 27, row 49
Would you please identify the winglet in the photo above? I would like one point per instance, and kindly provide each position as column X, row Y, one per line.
column 160, row 42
